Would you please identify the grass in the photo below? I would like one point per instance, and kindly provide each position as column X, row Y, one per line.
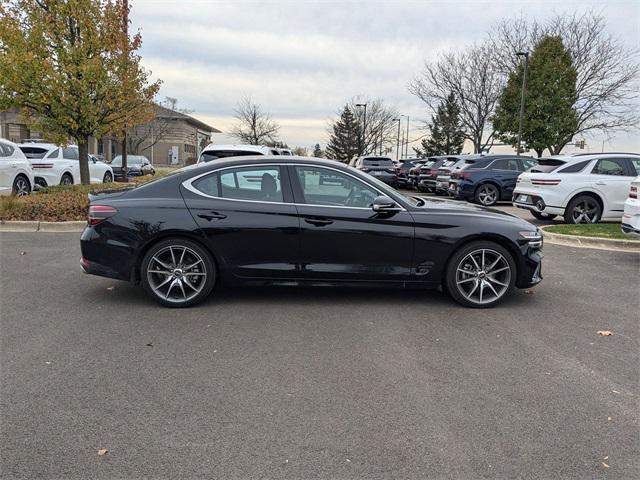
column 599, row 230
column 60, row 203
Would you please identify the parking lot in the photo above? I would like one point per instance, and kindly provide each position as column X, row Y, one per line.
column 299, row 383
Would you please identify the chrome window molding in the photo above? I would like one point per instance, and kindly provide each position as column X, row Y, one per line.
column 188, row 184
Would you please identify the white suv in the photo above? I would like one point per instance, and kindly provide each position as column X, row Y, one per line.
column 631, row 215
column 586, row 189
column 213, row 152
column 16, row 174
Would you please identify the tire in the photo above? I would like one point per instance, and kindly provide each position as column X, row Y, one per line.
column 487, row 194
column 108, row 177
column 480, row 288
column 190, row 273
column 66, row 179
column 21, row 186
column 542, row 216
column 583, row 209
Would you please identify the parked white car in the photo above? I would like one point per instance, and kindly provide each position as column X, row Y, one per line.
column 586, row 189
column 16, row 174
column 212, row 152
column 54, row 165
column 631, row 215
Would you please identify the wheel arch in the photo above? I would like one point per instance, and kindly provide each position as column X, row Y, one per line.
column 491, row 181
column 588, row 193
column 169, row 234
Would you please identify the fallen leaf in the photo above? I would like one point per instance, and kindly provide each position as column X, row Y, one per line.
column 102, row 452
column 150, row 344
column 609, row 418
column 604, row 333
column 606, row 458
column 348, row 461
column 615, row 391
column 48, row 363
column 605, row 465
column 529, row 292
column 23, row 253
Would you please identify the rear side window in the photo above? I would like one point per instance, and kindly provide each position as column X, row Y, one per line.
column 209, row 155
column 528, row 163
column 70, row 153
column 610, row 166
column 506, row 164
column 208, row 185
column 575, row 168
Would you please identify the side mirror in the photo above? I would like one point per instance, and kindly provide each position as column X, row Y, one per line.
column 384, row 204
column 94, row 160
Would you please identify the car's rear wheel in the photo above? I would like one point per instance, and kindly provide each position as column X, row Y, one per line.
column 583, row 209
column 66, row 179
column 542, row 216
column 178, row 273
column 487, row 194
column 480, row 274
column 21, row 186
column 108, row 178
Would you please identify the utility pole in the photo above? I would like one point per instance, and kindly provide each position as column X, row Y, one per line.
column 406, row 145
column 363, row 133
column 524, row 90
column 398, row 140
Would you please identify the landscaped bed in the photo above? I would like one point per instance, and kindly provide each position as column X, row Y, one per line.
column 597, row 230
column 58, row 204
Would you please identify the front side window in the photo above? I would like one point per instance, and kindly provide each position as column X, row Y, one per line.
column 322, row 186
column 528, row 163
column 70, row 153
column 610, row 166
column 5, row 150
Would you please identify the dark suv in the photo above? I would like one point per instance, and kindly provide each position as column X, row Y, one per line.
column 382, row 168
column 429, row 173
column 490, row 179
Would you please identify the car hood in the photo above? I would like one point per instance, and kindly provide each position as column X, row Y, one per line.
column 452, row 206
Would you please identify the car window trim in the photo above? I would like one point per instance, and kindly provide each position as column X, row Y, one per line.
column 188, row 185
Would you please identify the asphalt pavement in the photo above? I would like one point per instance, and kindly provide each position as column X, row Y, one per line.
column 316, row 383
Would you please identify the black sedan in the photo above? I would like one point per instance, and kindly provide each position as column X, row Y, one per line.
column 137, row 166
column 278, row 220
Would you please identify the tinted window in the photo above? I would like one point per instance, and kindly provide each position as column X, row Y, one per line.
column 209, row 155
column 34, row 152
column 55, row 153
column 322, row 186
column 251, row 183
column 506, row 164
column 208, row 184
column 574, row 168
column 70, row 153
column 378, row 162
column 529, row 163
column 610, row 166
column 635, row 162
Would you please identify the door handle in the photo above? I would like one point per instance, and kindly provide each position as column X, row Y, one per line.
column 212, row 216
column 601, row 182
column 318, row 222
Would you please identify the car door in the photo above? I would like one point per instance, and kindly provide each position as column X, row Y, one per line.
column 249, row 219
column 71, row 159
column 611, row 177
column 506, row 171
column 6, row 177
column 342, row 238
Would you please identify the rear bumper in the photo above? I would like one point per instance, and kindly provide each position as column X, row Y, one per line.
column 105, row 257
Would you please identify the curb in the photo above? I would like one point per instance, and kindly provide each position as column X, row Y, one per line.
column 46, row 227
column 590, row 242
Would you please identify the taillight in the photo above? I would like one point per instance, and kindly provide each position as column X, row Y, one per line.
column 538, row 181
column 42, row 165
column 99, row 213
column 633, row 192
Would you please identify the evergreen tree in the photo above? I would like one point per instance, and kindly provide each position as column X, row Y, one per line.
column 550, row 118
column 343, row 142
column 317, row 151
column 446, row 135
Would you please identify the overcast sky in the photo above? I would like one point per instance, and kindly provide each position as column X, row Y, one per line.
column 301, row 60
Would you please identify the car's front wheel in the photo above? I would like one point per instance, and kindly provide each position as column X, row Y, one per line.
column 178, row 273
column 108, row 178
column 583, row 209
column 480, row 274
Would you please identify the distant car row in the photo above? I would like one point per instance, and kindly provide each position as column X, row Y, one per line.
column 31, row 165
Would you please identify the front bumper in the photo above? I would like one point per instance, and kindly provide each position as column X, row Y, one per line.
column 530, row 270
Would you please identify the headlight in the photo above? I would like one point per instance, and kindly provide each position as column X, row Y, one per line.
column 532, row 238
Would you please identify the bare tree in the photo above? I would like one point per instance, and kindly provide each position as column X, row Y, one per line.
column 254, row 126
column 607, row 71
column 377, row 129
column 142, row 138
column 474, row 80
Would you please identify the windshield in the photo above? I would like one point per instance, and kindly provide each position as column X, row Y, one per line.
column 131, row 160
column 386, row 189
column 378, row 162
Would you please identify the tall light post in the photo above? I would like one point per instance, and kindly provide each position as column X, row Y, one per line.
column 398, row 140
column 524, row 91
column 364, row 126
column 406, row 148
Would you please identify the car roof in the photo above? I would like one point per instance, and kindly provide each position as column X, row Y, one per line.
column 239, row 147
column 8, row 142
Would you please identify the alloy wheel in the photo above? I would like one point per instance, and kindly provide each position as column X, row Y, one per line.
column 66, row 180
column 585, row 211
column 483, row 276
column 108, row 178
column 176, row 274
column 488, row 195
column 22, row 187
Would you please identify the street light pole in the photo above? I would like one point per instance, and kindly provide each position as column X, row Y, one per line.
column 364, row 126
column 406, row 146
column 524, row 90
column 398, row 140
